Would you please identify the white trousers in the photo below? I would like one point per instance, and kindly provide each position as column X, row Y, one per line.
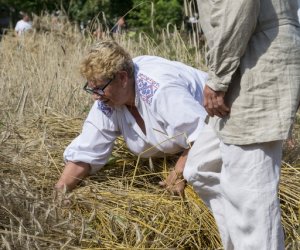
column 240, row 186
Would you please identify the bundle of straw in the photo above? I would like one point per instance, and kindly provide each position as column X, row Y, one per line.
column 106, row 211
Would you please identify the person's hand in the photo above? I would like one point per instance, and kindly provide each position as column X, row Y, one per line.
column 61, row 197
column 214, row 102
column 174, row 183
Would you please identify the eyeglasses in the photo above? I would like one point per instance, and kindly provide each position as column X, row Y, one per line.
column 97, row 91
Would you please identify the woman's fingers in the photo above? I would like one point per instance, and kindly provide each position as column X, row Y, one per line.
column 173, row 184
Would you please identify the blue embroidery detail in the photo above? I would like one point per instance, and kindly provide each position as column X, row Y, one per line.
column 147, row 87
column 107, row 110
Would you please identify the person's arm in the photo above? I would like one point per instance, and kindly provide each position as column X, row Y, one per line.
column 183, row 116
column 72, row 174
column 89, row 151
column 175, row 183
column 232, row 24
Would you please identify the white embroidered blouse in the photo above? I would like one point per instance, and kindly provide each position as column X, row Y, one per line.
column 169, row 98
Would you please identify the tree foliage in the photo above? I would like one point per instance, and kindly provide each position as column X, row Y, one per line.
column 143, row 15
column 155, row 14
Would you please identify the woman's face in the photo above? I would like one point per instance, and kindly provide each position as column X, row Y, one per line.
column 115, row 92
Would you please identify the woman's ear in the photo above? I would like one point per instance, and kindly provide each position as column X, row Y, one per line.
column 123, row 78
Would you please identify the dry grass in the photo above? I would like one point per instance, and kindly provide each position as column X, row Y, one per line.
column 42, row 108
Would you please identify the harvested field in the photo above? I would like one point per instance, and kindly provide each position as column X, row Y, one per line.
column 42, row 108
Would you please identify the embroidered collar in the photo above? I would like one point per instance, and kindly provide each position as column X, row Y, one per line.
column 146, row 87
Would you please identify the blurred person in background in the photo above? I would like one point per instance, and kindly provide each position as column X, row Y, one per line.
column 154, row 103
column 4, row 20
column 119, row 26
column 251, row 95
column 24, row 24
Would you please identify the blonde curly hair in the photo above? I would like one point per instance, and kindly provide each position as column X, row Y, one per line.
column 105, row 59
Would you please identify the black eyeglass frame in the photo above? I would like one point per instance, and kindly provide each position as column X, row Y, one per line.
column 97, row 91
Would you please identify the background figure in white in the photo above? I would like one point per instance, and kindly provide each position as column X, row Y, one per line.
column 24, row 24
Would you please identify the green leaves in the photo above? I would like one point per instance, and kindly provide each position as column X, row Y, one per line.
column 147, row 15
column 156, row 14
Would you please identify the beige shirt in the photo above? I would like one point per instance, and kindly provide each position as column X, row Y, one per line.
column 254, row 55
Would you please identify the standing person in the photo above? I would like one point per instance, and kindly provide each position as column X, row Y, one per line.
column 252, row 94
column 154, row 103
column 24, row 24
column 4, row 20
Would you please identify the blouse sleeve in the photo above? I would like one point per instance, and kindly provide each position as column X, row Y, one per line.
column 95, row 142
column 182, row 115
column 232, row 24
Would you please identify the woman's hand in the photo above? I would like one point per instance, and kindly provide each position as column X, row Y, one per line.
column 73, row 173
column 174, row 183
column 62, row 198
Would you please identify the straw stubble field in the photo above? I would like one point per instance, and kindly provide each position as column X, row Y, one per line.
column 42, row 108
